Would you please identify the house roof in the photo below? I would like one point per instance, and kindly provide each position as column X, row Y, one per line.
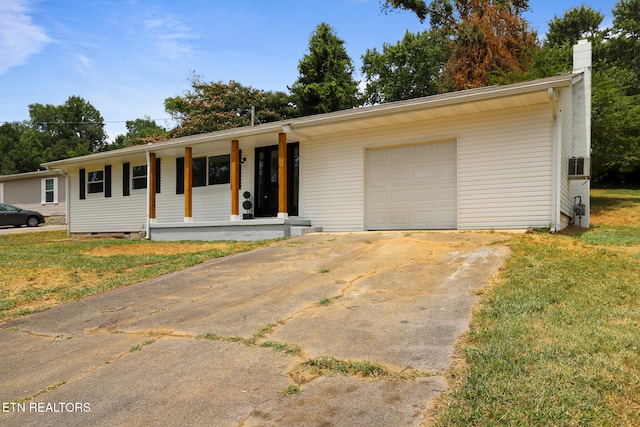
column 393, row 113
column 27, row 175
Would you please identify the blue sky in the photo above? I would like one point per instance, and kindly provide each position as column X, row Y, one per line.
column 126, row 56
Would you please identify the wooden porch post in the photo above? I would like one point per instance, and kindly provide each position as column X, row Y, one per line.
column 152, row 186
column 282, row 175
column 188, row 184
column 235, row 180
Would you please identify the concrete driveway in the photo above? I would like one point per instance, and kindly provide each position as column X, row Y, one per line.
column 10, row 229
column 220, row 343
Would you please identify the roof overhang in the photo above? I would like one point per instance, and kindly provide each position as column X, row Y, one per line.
column 27, row 175
column 451, row 104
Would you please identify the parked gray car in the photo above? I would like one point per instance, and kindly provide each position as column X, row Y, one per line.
column 11, row 215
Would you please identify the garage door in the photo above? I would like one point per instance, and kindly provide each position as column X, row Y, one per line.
column 412, row 187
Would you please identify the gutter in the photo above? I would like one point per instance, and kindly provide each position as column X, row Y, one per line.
column 556, row 191
column 148, row 208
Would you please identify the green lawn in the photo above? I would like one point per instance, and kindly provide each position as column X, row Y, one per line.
column 556, row 338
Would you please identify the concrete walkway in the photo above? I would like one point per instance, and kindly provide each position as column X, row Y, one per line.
column 219, row 343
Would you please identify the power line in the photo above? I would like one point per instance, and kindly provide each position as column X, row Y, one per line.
column 79, row 123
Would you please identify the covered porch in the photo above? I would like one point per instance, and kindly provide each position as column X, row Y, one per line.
column 254, row 178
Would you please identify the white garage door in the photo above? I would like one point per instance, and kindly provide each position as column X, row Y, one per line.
column 412, row 187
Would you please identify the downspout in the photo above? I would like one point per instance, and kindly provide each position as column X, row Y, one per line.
column 67, row 195
column 148, row 220
column 556, row 191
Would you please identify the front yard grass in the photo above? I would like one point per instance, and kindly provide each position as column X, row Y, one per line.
column 45, row 269
column 556, row 337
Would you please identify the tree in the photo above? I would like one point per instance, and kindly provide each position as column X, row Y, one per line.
column 491, row 42
column 574, row 25
column 139, row 131
column 624, row 40
column 215, row 106
column 409, row 69
column 21, row 149
column 326, row 80
column 615, row 135
column 72, row 129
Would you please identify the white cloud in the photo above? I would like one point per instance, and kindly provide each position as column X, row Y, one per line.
column 19, row 37
column 169, row 34
column 84, row 65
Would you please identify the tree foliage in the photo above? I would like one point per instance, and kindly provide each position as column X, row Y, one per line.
column 21, row 148
column 326, row 80
column 53, row 132
column 214, row 106
column 491, row 42
column 72, row 129
column 575, row 24
column 139, row 131
column 409, row 69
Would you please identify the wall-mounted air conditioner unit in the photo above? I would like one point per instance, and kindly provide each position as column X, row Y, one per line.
column 579, row 168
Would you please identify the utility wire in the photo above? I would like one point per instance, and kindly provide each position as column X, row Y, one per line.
column 78, row 123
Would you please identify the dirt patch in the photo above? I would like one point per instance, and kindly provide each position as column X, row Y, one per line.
column 170, row 248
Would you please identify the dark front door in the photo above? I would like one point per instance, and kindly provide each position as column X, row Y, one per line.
column 266, row 183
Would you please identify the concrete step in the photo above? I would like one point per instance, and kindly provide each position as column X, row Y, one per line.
column 301, row 231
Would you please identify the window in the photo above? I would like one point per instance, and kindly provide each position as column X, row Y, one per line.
column 217, row 172
column 139, row 179
column 96, row 181
column 199, row 171
column 49, row 190
column 220, row 169
column 180, row 175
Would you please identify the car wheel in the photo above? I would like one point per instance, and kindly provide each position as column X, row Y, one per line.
column 32, row 221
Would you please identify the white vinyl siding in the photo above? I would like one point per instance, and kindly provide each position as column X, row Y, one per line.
column 100, row 214
column 565, row 116
column 169, row 205
column 209, row 203
column 504, row 169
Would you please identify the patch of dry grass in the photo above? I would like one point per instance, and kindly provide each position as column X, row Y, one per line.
column 45, row 269
column 615, row 207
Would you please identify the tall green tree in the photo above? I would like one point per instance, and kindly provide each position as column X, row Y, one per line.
column 72, row 129
column 139, row 131
column 408, row 69
column 209, row 107
column 616, row 100
column 21, row 149
column 575, row 24
column 624, row 40
column 615, row 125
column 326, row 80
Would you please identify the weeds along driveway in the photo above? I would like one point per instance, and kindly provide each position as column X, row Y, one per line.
column 325, row 329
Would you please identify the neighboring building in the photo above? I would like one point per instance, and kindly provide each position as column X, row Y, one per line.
column 502, row 157
column 42, row 191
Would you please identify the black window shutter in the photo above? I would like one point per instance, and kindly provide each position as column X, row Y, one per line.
column 83, row 184
column 126, row 182
column 180, row 175
column 158, row 163
column 107, row 181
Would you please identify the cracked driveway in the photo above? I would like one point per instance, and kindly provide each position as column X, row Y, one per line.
column 217, row 344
